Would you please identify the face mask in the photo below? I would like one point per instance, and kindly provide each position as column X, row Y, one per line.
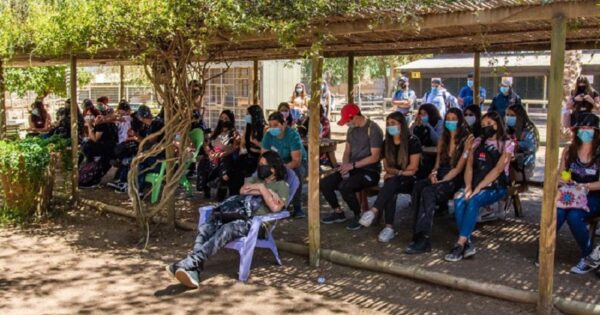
column 586, row 136
column 402, row 86
column 228, row 124
column 393, row 130
column 100, row 107
column 285, row 114
column 350, row 125
column 488, row 132
column 504, row 89
column 322, row 88
column 248, row 119
column 470, row 120
column 264, row 171
column 451, row 125
column 511, row 121
column 275, row 132
column 425, row 119
column 35, row 112
column 580, row 90
column 404, row 111
column 470, row 83
column 434, row 90
column 299, row 90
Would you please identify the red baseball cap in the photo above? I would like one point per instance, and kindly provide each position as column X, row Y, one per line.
column 348, row 112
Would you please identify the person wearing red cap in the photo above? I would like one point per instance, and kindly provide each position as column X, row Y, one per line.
column 360, row 167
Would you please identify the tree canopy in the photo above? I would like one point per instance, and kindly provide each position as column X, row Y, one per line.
column 42, row 80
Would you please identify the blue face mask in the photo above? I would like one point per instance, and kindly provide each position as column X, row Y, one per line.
column 248, row 119
column 586, row 136
column 425, row 119
column 275, row 132
column 393, row 130
column 504, row 89
column 511, row 121
column 470, row 83
column 451, row 125
column 434, row 90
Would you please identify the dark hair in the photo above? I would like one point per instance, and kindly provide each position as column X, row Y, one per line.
column 289, row 117
column 462, row 133
column 523, row 123
column 501, row 132
column 87, row 103
column 432, row 112
column 275, row 161
column 124, row 105
column 476, row 128
column 220, row 124
column 257, row 128
column 40, row 106
column 102, row 99
column 573, row 148
column 278, row 117
column 589, row 90
column 398, row 158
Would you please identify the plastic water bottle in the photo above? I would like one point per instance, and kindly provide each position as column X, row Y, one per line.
column 321, row 279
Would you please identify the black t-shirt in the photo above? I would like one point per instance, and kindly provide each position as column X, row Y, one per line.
column 110, row 134
column 146, row 130
column 584, row 106
column 414, row 147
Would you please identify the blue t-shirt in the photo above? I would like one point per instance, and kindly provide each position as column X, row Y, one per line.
column 466, row 93
column 285, row 146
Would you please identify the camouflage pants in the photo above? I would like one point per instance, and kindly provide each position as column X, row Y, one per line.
column 212, row 237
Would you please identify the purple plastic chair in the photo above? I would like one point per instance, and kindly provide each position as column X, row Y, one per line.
column 245, row 245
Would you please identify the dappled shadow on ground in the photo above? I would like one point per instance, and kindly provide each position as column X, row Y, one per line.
column 88, row 262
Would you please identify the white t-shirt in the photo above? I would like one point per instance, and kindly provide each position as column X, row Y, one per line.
column 124, row 126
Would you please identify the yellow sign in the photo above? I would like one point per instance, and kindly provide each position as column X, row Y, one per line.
column 415, row 75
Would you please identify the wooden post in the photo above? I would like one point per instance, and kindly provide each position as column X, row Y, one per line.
column 122, row 82
column 2, row 102
column 255, row 83
column 314, row 232
column 476, row 79
column 548, row 220
column 74, row 130
column 351, row 79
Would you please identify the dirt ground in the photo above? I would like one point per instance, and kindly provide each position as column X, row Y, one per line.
column 88, row 262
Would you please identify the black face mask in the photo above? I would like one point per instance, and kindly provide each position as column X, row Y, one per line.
column 227, row 124
column 487, row 132
column 580, row 90
column 264, row 171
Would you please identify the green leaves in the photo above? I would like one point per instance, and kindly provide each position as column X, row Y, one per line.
column 41, row 80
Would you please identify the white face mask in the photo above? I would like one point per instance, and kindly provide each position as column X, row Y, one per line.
column 35, row 112
column 299, row 90
column 470, row 120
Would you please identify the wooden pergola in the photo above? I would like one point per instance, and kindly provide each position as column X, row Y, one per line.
column 463, row 26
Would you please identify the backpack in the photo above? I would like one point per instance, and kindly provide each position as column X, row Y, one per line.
column 91, row 173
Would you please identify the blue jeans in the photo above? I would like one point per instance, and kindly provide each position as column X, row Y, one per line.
column 466, row 211
column 297, row 199
column 576, row 219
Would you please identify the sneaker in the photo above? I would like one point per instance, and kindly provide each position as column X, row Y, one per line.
column 420, row 246
column 189, row 278
column 581, row 267
column 593, row 259
column 299, row 214
column 354, row 225
column 470, row 250
column 114, row 184
column 335, row 217
column 456, row 253
column 386, row 235
column 171, row 270
column 122, row 188
column 367, row 218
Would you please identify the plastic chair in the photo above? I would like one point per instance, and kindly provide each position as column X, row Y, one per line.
column 156, row 179
column 245, row 245
column 197, row 137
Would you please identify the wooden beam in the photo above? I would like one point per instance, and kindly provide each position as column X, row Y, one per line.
column 476, row 78
column 2, row 102
column 351, row 79
column 122, row 82
column 255, row 83
column 548, row 220
column 74, row 130
column 314, row 208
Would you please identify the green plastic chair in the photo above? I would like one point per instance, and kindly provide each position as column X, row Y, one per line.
column 156, row 179
column 197, row 137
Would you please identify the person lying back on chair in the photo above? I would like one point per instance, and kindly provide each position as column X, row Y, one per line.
column 268, row 192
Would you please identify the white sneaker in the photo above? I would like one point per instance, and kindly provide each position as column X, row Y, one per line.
column 367, row 218
column 581, row 267
column 386, row 235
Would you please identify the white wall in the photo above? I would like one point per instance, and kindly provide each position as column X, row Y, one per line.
column 278, row 79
